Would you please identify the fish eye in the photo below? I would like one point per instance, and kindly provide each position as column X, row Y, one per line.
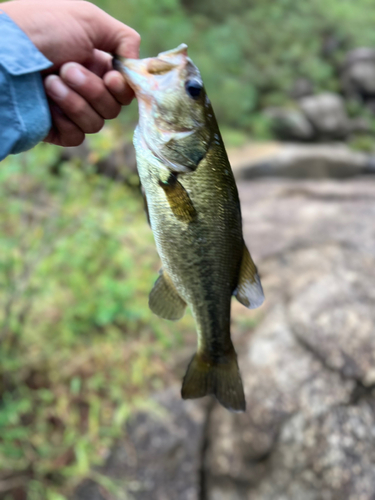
column 193, row 88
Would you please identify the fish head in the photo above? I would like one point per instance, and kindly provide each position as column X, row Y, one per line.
column 176, row 121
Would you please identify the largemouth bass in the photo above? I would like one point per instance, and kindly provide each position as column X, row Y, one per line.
column 195, row 216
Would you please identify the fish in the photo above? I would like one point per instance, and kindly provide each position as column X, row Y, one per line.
column 195, row 216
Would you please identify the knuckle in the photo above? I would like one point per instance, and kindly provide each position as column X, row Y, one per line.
column 78, row 108
column 96, row 126
column 73, row 140
column 98, row 93
column 111, row 112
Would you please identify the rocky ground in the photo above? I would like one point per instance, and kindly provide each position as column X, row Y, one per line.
column 309, row 365
column 308, row 368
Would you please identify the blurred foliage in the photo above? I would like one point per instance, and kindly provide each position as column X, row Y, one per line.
column 79, row 347
column 251, row 52
column 363, row 142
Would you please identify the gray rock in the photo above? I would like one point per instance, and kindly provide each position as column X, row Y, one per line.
column 290, row 124
column 327, row 114
column 334, row 316
column 161, row 456
column 358, row 75
column 359, row 79
column 300, row 161
column 282, row 378
column 309, row 430
column 89, row 490
column 332, row 457
column 361, row 54
column 319, row 118
column 302, row 87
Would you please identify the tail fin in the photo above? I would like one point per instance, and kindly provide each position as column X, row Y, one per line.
column 221, row 378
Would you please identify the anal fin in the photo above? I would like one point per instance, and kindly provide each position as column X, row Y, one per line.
column 164, row 300
column 249, row 289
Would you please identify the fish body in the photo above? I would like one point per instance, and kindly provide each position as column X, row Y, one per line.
column 195, row 216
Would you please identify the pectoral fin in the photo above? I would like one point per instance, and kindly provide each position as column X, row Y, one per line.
column 178, row 199
column 164, row 300
column 249, row 290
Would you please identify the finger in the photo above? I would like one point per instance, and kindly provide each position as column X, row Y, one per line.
column 99, row 63
column 91, row 88
column 63, row 132
column 110, row 34
column 73, row 105
column 118, row 87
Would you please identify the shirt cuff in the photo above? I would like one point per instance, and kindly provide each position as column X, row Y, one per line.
column 18, row 54
column 25, row 116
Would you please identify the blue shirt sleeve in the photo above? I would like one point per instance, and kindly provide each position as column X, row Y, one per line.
column 24, row 113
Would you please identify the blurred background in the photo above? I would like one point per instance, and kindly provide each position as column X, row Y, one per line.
column 90, row 378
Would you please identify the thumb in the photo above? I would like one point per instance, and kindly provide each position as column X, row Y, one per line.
column 111, row 35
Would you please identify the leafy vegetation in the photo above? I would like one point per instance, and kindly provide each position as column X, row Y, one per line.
column 251, row 52
column 79, row 348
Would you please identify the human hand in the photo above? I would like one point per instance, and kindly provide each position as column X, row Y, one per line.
column 77, row 37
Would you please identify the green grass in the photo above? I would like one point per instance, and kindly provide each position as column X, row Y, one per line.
column 80, row 350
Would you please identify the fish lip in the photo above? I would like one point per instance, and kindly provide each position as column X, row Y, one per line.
column 180, row 50
column 121, row 64
column 135, row 70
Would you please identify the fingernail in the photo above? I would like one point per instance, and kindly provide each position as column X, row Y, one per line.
column 55, row 87
column 72, row 73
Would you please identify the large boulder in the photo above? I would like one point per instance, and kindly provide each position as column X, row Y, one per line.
column 160, row 457
column 298, row 161
column 309, row 432
column 358, row 74
column 290, row 124
column 320, row 117
column 308, row 366
column 327, row 114
column 302, row 87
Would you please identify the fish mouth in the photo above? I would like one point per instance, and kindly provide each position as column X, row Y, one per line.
column 140, row 75
column 133, row 70
column 138, row 72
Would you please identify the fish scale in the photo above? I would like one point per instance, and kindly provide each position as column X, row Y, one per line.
column 195, row 216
